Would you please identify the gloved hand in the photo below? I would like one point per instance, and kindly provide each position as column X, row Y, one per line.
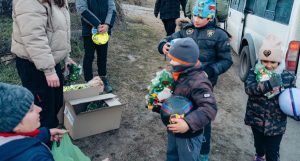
column 275, row 81
column 155, row 14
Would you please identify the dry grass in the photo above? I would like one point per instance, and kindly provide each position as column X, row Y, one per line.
column 144, row 3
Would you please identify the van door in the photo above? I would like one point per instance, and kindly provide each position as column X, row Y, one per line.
column 235, row 23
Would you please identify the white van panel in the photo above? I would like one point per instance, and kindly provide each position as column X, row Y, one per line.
column 259, row 28
column 235, row 28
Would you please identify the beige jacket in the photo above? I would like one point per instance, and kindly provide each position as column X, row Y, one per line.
column 41, row 33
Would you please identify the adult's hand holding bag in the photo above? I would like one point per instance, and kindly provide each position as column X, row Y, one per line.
column 67, row 151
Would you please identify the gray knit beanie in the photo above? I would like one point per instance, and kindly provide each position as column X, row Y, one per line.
column 15, row 101
column 184, row 51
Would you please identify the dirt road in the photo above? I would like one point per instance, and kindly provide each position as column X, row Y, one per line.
column 142, row 136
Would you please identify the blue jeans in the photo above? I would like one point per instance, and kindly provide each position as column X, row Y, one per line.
column 183, row 149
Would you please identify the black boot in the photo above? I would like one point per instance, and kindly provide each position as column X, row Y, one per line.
column 107, row 86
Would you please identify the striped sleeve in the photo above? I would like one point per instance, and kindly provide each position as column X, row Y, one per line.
column 110, row 18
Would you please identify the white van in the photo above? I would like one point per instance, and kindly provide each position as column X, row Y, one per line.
column 250, row 21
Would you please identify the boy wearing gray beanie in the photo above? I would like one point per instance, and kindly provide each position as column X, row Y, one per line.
column 20, row 138
column 213, row 44
column 190, row 82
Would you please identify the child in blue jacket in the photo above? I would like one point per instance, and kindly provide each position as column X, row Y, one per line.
column 20, row 138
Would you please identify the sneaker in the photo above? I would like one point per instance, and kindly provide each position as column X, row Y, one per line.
column 203, row 157
column 107, row 86
column 257, row 158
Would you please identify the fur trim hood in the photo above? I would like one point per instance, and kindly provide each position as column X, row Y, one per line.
column 181, row 22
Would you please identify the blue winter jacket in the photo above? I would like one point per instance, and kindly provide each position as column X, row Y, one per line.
column 96, row 12
column 213, row 42
column 28, row 148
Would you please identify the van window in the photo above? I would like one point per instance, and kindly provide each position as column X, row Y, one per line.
column 250, row 5
column 283, row 11
column 260, row 7
column 234, row 4
column 241, row 5
column 275, row 10
column 271, row 5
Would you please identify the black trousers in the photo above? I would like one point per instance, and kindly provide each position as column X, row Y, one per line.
column 48, row 98
column 267, row 145
column 169, row 25
column 89, row 48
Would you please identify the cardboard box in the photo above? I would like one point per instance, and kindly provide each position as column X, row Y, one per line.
column 82, row 123
column 82, row 93
column 71, row 95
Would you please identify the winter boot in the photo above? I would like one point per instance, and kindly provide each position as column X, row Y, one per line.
column 107, row 86
column 203, row 157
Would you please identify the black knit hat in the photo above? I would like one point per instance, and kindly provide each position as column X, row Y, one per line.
column 184, row 51
column 15, row 102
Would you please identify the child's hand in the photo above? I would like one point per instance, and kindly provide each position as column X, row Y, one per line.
column 166, row 48
column 179, row 126
column 56, row 134
column 275, row 81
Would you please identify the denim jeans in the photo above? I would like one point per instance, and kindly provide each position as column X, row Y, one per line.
column 183, row 149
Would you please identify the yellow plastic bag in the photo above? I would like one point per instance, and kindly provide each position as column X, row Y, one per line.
column 100, row 38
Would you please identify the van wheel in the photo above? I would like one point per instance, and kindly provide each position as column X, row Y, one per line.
column 244, row 63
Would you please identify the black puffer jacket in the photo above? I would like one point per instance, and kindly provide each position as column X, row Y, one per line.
column 168, row 9
column 262, row 113
column 213, row 42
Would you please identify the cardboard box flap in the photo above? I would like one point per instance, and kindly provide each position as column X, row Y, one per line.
column 91, row 99
column 112, row 102
column 82, row 93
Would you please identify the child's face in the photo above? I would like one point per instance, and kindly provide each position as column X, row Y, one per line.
column 31, row 120
column 199, row 21
column 270, row 65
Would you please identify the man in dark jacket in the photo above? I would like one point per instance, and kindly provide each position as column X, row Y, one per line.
column 215, row 53
column 169, row 11
column 98, row 14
